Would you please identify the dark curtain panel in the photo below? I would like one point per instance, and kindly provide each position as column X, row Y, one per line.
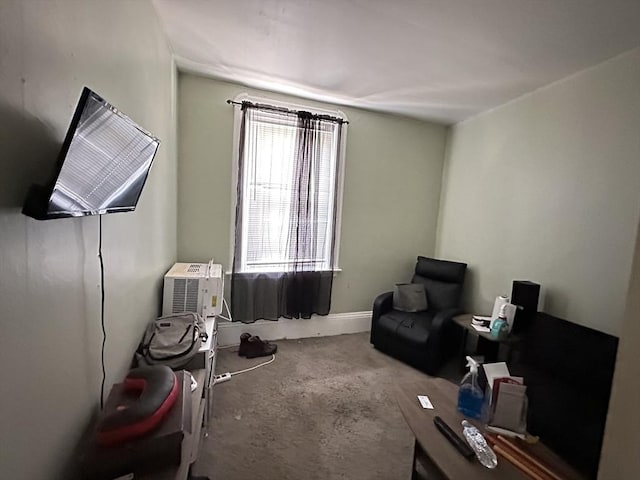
column 286, row 213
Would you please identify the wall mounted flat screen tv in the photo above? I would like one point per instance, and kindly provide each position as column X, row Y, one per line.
column 102, row 167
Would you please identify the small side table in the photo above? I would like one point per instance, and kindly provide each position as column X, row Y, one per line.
column 487, row 345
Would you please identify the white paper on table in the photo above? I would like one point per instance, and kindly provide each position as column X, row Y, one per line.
column 495, row 370
column 425, row 402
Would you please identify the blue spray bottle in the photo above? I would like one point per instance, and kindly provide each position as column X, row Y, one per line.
column 470, row 396
column 500, row 326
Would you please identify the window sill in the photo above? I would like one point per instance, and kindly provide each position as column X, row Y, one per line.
column 228, row 273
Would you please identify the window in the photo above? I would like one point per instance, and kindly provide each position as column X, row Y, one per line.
column 289, row 190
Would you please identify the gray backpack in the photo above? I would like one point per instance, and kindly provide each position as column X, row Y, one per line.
column 172, row 340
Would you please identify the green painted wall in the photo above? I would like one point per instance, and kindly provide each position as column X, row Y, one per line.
column 547, row 188
column 391, row 192
column 49, row 272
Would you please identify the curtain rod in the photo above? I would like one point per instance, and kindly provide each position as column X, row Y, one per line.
column 288, row 110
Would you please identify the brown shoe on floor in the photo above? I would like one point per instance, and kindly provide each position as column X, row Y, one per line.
column 258, row 348
column 244, row 344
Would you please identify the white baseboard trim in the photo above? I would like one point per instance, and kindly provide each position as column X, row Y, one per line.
column 316, row 326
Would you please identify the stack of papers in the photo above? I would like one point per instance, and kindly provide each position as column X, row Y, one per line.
column 498, row 371
column 506, row 397
column 479, row 321
column 478, row 328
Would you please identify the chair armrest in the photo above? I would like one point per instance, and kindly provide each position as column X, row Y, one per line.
column 382, row 304
column 441, row 341
column 442, row 317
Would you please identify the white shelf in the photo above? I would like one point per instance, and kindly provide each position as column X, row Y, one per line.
column 200, row 401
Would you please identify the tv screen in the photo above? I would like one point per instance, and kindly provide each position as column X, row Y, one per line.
column 102, row 167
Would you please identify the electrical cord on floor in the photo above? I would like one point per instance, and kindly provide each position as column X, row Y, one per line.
column 223, row 377
column 227, row 376
column 104, row 331
column 273, row 357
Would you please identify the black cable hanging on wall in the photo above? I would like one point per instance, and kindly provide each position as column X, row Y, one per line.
column 104, row 331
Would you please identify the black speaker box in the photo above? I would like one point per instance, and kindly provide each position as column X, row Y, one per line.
column 524, row 295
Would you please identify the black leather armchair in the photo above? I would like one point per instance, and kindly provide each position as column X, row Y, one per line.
column 422, row 339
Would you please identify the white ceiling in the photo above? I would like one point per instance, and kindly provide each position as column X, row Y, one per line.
column 441, row 60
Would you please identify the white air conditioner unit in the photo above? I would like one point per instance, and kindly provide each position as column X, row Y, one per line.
column 193, row 287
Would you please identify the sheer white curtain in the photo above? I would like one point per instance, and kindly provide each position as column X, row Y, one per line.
column 285, row 213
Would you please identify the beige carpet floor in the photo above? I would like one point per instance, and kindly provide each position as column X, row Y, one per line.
column 325, row 409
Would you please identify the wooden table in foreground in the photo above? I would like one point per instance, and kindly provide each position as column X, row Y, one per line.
column 438, row 456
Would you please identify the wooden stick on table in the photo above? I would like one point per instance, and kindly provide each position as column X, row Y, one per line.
column 519, row 455
column 522, row 465
column 527, row 456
